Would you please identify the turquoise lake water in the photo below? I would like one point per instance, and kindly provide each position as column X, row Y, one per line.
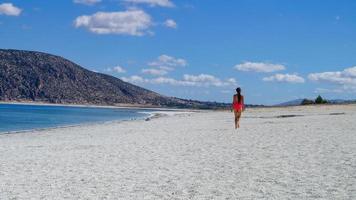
column 28, row 117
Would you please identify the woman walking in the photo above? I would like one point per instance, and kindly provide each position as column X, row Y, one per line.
column 238, row 106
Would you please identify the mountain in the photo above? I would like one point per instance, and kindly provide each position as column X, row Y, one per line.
column 298, row 102
column 295, row 102
column 41, row 77
column 341, row 101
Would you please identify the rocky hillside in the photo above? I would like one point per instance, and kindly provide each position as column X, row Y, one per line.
column 41, row 77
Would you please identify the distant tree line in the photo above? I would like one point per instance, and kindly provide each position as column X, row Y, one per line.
column 318, row 100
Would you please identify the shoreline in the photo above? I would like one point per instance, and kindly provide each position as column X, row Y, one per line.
column 88, row 124
column 150, row 115
column 154, row 113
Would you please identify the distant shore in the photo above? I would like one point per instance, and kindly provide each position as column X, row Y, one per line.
column 128, row 106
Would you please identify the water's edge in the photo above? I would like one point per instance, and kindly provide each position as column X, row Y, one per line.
column 150, row 115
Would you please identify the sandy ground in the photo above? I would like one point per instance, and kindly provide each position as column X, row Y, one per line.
column 189, row 156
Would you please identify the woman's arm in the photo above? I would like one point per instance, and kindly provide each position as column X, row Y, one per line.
column 232, row 104
column 243, row 103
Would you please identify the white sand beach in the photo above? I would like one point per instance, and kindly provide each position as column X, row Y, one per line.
column 189, row 156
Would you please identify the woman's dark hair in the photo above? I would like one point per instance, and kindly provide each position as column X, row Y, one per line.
column 238, row 90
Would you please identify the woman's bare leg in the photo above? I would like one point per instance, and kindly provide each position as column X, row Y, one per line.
column 238, row 119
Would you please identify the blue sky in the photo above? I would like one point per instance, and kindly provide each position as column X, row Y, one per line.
column 276, row 50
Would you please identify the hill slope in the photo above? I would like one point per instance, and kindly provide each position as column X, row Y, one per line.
column 35, row 76
column 295, row 102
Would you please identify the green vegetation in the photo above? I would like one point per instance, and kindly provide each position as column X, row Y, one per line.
column 307, row 102
column 318, row 100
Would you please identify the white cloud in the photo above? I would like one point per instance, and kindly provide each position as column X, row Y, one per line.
column 259, row 67
column 130, row 22
column 163, row 64
column 152, row 3
column 326, row 90
column 170, row 23
column 166, row 80
column 168, row 62
column 9, row 9
column 117, row 69
column 155, row 72
column 207, row 80
column 87, row 2
column 289, row 78
column 345, row 80
column 351, row 89
column 345, row 77
column 202, row 80
column 134, row 79
column 232, row 81
column 350, row 71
